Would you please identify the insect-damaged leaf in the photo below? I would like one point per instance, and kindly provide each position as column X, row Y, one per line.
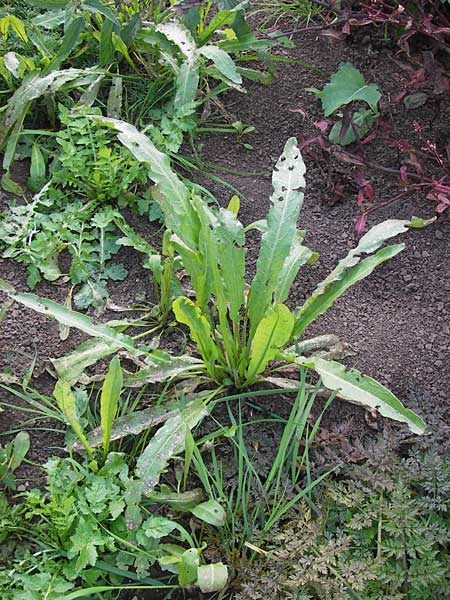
column 166, row 443
column 276, row 243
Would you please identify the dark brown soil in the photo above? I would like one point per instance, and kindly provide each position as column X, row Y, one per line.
column 396, row 321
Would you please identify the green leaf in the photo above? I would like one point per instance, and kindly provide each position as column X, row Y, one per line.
column 49, row 4
column 187, row 567
column 361, row 389
column 299, row 255
column 71, row 318
column 71, row 366
column 175, row 202
column 347, row 85
column 84, row 543
column 221, row 18
column 348, row 271
column 9, row 185
column 223, row 63
column 106, row 47
column 181, row 37
column 276, row 243
column 109, row 399
column 336, row 284
column 69, row 41
column 37, row 167
column 157, row 527
column 186, row 312
column 186, row 84
column 50, row 19
column 179, row 501
column 166, row 443
column 120, row 46
column 68, row 405
column 98, row 7
column 212, row 578
column 211, row 512
column 363, row 118
column 20, row 447
column 273, row 332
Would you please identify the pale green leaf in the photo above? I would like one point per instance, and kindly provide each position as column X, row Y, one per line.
column 167, row 442
column 223, row 63
column 299, row 255
column 132, row 424
column 212, row 578
column 276, row 243
column 71, row 318
column 114, row 105
column 336, row 284
column 348, row 271
column 187, row 567
column 159, row 367
column 186, row 84
column 71, row 366
column 211, row 512
column 353, row 386
column 347, row 85
column 20, row 447
column 34, row 86
column 181, row 36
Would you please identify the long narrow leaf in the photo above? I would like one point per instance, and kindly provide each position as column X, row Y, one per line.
column 179, row 215
column 331, row 289
column 68, row 43
column 288, row 181
column 67, row 404
column 352, row 385
column 273, row 332
column 109, row 400
column 71, row 318
column 347, row 272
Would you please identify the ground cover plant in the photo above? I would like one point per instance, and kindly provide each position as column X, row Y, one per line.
column 381, row 532
column 178, row 61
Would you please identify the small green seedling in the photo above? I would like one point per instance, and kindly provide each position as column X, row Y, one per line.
column 347, row 86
